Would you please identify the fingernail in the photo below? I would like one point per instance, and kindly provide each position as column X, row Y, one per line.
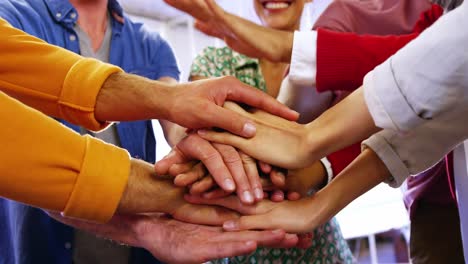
column 230, row 225
column 201, row 132
column 249, row 130
column 277, row 231
column 258, row 193
column 229, row 185
column 250, row 243
column 247, row 197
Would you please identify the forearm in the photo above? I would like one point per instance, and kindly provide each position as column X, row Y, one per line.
column 364, row 173
column 126, row 97
column 342, row 125
column 146, row 192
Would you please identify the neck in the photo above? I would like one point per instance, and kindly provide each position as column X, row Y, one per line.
column 92, row 18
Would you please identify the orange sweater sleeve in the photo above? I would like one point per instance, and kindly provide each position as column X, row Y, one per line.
column 43, row 163
column 53, row 80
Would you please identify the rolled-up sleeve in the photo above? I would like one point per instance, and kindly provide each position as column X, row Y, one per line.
column 412, row 152
column 43, row 163
column 51, row 79
column 47, row 165
column 424, row 79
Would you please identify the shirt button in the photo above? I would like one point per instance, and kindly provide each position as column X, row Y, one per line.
column 59, row 15
column 72, row 37
column 68, row 245
column 73, row 15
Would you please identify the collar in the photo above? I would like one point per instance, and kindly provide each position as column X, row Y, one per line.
column 63, row 11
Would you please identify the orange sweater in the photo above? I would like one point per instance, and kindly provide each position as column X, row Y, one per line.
column 43, row 163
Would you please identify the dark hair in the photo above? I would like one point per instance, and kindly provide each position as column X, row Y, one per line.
column 448, row 4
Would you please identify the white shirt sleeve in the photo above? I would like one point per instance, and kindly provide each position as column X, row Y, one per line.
column 424, row 79
column 410, row 153
column 303, row 68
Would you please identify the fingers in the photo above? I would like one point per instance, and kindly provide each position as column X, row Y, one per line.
column 218, row 193
column 204, row 215
column 195, row 147
column 177, row 169
column 203, row 185
column 250, row 167
column 231, row 121
column 174, row 157
column 277, row 196
column 225, row 248
column 249, row 222
column 223, row 138
column 305, row 240
column 294, row 196
column 230, row 202
column 258, row 99
column 184, row 179
column 233, row 161
column 265, row 167
column 278, row 178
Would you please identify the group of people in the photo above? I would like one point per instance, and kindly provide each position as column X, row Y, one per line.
column 388, row 76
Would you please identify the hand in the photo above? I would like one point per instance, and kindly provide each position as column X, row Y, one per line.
column 126, row 97
column 199, row 105
column 305, row 239
column 299, row 181
column 230, row 169
column 146, row 193
column 173, row 241
column 299, row 216
column 239, row 34
column 278, row 141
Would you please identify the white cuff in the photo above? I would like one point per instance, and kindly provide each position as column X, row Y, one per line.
column 303, row 68
column 389, row 157
column 328, row 168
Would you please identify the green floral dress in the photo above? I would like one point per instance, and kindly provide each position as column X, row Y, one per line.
column 328, row 244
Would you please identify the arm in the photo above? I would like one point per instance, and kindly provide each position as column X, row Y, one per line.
column 61, row 94
column 290, row 145
column 173, row 241
column 84, row 178
column 306, row 214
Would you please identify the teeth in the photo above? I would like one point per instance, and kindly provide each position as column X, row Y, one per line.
column 276, row 5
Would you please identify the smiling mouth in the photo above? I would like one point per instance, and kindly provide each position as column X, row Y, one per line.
column 276, row 5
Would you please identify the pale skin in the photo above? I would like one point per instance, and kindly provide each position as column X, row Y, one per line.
column 288, row 19
column 364, row 173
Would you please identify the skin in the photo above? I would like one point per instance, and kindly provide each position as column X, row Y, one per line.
column 193, row 174
column 290, row 145
column 308, row 213
column 172, row 241
column 240, row 34
column 126, row 97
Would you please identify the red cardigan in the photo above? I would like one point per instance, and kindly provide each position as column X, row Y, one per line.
column 343, row 59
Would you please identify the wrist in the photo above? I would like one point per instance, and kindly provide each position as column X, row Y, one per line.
column 145, row 192
column 313, row 141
